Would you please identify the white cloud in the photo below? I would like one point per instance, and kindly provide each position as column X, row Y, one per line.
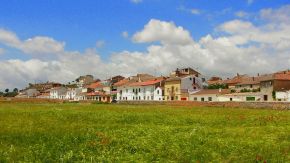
column 280, row 15
column 100, row 43
column 165, row 32
column 242, row 14
column 136, row 1
column 2, row 51
column 125, row 34
column 195, row 11
column 249, row 2
column 241, row 46
column 38, row 45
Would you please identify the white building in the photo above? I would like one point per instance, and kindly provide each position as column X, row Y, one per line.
column 283, row 96
column 58, row 93
column 150, row 90
column 240, row 97
column 208, row 95
column 73, row 93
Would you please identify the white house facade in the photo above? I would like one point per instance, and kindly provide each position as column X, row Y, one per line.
column 142, row 91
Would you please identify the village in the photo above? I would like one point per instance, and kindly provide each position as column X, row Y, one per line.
column 184, row 84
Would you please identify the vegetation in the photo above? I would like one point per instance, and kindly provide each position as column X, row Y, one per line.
column 217, row 86
column 9, row 94
column 127, row 133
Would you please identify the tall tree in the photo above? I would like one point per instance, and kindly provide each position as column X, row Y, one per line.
column 15, row 90
column 6, row 90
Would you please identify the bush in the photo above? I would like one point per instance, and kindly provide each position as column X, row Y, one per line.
column 217, row 86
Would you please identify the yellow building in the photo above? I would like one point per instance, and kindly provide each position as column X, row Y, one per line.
column 172, row 89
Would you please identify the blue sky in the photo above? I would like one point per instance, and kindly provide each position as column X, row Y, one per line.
column 58, row 40
column 80, row 23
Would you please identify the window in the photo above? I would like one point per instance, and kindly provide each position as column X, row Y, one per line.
column 144, row 98
column 133, row 90
column 126, row 90
column 190, row 78
column 167, row 90
column 139, row 89
column 231, row 99
column 194, row 87
column 139, row 97
column 158, row 92
column 202, row 99
column 193, row 80
column 167, row 97
column 151, row 97
column 176, row 89
column 195, row 99
column 250, row 98
column 209, row 98
column 176, row 97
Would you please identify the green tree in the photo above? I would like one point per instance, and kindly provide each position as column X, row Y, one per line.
column 6, row 90
column 15, row 90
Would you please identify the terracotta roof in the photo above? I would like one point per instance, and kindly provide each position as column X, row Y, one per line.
column 173, row 79
column 94, row 85
column 212, row 91
column 282, row 76
column 235, row 80
column 121, row 82
column 96, row 94
column 149, row 82
column 277, row 76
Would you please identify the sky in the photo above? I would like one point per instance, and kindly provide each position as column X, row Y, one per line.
column 53, row 40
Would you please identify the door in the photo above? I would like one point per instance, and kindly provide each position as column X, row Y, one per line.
column 265, row 97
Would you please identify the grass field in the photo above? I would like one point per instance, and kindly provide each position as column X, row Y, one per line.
column 116, row 133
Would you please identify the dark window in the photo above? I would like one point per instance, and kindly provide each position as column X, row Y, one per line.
column 193, row 80
column 195, row 98
column 158, row 92
column 209, row 98
column 265, row 97
column 250, row 98
column 231, row 99
column 202, row 99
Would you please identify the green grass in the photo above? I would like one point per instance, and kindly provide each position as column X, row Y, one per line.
column 118, row 133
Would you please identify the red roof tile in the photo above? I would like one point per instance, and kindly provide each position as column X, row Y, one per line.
column 95, row 85
column 145, row 83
